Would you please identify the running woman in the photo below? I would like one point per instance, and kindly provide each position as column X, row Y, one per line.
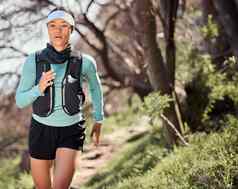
column 51, row 81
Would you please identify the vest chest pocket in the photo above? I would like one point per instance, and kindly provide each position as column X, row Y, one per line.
column 44, row 104
column 73, row 96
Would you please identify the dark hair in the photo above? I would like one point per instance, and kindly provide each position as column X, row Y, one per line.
column 62, row 9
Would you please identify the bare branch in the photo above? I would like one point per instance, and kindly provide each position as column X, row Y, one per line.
column 175, row 129
column 104, row 4
column 9, row 74
column 112, row 17
column 118, row 49
column 10, row 57
column 14, row 49
column 84, row 37
column 89, row 5
column 31, row 9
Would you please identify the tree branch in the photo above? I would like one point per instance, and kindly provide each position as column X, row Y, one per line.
column 14, row 49
column 174, row 128
column 84, row 37
column 89, row 5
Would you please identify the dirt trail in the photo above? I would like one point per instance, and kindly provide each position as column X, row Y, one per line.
column 93, row 158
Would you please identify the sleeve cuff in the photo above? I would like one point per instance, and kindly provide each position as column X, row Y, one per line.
column 98, row 119
column 37, row 92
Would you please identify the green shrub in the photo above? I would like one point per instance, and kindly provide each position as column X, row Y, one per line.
column 11, row 177
column 153, row 106
column 210, row 30
column 209, row 162
column 208, row 87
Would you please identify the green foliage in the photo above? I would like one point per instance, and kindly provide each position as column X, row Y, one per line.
column 24, row 181
column 154, row 105
column 210, row 30
column 11, row 177
column 207, row 82
column 210, row 85
column 185, row 66
column 209, row 162
column 219, row 83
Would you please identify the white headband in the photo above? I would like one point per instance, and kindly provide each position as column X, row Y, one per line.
column 60, row 14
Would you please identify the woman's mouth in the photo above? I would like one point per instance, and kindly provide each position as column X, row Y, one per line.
column 58, row 37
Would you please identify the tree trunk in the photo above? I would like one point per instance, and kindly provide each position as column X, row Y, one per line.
column 25, row 161
column 218, row 47
column 157, row 71
column 171, row 8
column 170, row 13
column 227, row 14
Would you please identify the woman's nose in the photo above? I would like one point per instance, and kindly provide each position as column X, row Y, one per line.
column 58, row 29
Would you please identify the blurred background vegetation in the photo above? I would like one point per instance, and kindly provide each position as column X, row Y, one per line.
column 168, row 66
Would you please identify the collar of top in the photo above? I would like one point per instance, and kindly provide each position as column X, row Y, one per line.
column 60, row 14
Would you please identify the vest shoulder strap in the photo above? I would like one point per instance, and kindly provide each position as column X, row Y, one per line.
column 41, row 66
column 75, row 66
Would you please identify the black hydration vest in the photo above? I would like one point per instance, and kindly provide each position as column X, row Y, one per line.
column 72, row 94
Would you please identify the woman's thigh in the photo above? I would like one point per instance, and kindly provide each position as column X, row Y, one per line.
column 64, row 167
column 40, row 170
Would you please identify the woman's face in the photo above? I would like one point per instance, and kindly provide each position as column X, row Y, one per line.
column 59, row 32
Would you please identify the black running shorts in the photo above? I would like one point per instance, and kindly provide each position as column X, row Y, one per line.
column 43, row 140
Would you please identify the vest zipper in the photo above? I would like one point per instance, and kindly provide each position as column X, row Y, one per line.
column 63, row 96
column 51, row 93
column 51, row 100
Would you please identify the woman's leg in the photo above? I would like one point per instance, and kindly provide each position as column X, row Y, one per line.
column 40, row 170
column 64, row 167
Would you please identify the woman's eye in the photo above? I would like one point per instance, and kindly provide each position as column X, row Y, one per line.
column 64, row 26
column 52, row 26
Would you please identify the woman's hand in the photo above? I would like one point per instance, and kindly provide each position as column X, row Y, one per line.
column 96, row 130
column 46, row 80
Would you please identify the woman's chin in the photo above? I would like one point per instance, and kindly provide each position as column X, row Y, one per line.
column 58, row 43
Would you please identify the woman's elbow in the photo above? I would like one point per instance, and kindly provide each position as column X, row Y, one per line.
column 19, row 103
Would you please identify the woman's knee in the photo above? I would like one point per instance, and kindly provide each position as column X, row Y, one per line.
column 42, row 186
column 61, row 184
column 63, row 180
column 40, row 171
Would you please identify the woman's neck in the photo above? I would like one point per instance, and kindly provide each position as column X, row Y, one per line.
column 59, row 48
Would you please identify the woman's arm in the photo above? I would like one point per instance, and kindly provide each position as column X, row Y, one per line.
column 27, row 92
column 89, row 71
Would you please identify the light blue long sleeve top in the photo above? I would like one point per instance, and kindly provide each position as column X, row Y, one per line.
column 27, row 92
